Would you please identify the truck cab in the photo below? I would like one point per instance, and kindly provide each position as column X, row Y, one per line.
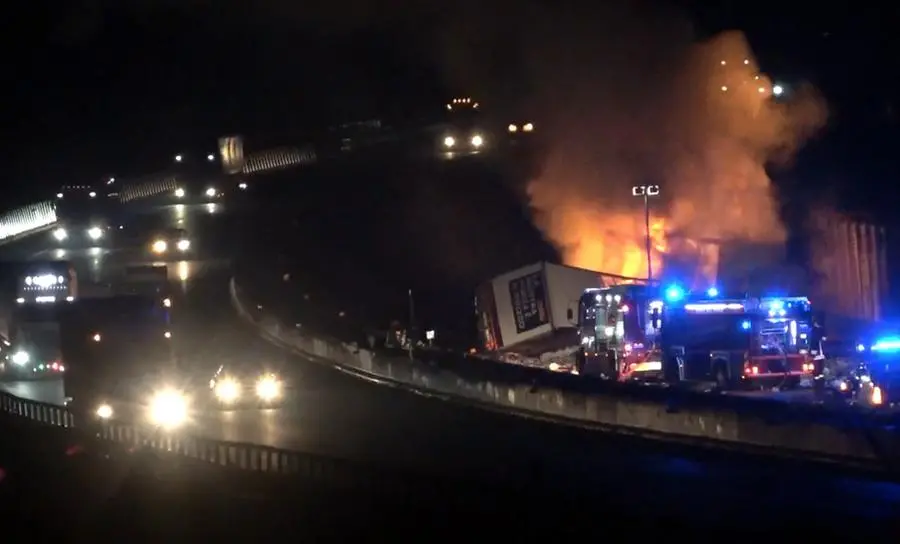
column 47, row 283
column 117, row 349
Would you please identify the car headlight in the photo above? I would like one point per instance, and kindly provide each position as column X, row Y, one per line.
column 60, row 234
column 20, row 358
column 179, row 193
column 268, row 388
column 104, row 411
column 95, row 233
column 211, row 192
column 528, row 127
column 512, row 128
column 477, row 141
column 160, row 246
column 183, row 245
column 449, row 141
column 228, row 390
column 168, row 409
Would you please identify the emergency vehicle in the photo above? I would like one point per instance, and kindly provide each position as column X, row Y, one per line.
column 736, row 341
column 618, row 328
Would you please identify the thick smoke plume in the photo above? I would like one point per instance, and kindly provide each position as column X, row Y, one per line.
column 698, row 119
column 627, row 97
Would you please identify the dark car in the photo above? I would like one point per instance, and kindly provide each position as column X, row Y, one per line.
column 234, row 386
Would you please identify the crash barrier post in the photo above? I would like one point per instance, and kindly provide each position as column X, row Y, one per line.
column 805, row 431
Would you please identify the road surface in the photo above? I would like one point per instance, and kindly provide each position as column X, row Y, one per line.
column 333, row 414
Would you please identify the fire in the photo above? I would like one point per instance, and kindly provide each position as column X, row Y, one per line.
column 703, row 131
column 611, row 241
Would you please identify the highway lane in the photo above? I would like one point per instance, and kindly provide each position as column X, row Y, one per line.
column 334, row 414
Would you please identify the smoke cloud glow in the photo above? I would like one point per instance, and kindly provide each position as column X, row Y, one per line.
column 635, row 100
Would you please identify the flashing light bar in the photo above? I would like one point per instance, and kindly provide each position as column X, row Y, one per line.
column 887, row 345
column 712, row 292
column 711, row 307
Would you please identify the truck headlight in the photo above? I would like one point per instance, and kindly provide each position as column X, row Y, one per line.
column 179, row 193
column 104, row 411
column 268, row 388
column 160, row 246
column 21, row 358
column 477, row 140
column 449, row 142
column 211, row 192
column 95, row 233
column 168, row 409
column 183, row 245
column 228, row 390
column 60, row 234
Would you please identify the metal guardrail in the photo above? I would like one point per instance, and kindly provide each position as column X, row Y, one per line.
column 242, row 456
column 27, row 219
column 777, row 429
column 278, row 159
column 41, row 215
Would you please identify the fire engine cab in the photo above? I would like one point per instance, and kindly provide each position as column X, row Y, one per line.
column 618, row 328
column 737, row 341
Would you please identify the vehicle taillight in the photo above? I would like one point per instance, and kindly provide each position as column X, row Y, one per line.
column 877, row 396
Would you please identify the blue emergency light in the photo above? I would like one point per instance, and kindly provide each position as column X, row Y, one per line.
column 674, row 293
column 745, row 325
column 887, row 345
column 712, row 292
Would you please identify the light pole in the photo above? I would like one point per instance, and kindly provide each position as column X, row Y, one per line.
column 645, row 192
column 412, row 318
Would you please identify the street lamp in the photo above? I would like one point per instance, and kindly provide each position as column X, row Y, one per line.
column 645, row 192
column 210, row 157
column 178, row 158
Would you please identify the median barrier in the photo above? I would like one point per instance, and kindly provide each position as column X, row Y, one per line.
column 120, row 437
column 715, row 420
column 242, row 456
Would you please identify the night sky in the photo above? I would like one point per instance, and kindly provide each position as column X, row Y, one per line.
column 112, row 88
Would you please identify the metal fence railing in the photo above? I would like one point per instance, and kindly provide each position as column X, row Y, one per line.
column 41, row 215
column 278, row 159
column 27, row 219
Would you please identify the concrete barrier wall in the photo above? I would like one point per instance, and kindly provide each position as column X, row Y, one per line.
column 791, row 431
